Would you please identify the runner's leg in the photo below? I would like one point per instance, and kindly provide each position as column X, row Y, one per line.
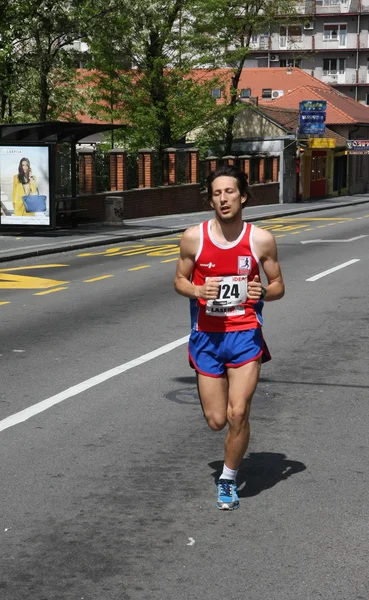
column 242, row 384
column 213, row 392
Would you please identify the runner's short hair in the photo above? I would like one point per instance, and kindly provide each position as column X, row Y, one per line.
column 228, row 171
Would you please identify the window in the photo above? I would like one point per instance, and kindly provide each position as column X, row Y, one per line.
column 266, row 93
column 367, row 99
column 292, row 32
column 245, row 93
column 313, row 168
column 254, row 169
column 320, row 167
column 332, row 66
column 329, row 2
column 334, row 32
column 290, row 62
column 268, row 168
column 295, row 33
column 216, row 92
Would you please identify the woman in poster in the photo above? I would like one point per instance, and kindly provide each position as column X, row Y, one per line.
column 24, row 184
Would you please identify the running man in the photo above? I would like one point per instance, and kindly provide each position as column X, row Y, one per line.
column 218, row 270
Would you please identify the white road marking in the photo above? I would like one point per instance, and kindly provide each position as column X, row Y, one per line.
column 329, row 271
column 359, row 237
column 191, row 542
column 40, row 407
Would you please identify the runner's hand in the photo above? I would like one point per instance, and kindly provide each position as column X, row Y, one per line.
column 210, row 289
column 254, row 288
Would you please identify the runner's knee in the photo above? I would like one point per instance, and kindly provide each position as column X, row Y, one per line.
column 238, row 416
column 216, row 422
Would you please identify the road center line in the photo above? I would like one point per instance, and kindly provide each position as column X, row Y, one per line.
column 40, row 407
column 329, row 271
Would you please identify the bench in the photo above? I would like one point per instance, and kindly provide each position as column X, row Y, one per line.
column 65, row 214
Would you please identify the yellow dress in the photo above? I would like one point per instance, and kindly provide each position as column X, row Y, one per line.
column 20, row 190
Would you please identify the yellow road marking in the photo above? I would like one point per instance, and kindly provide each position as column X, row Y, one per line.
column 50, row 291
column 164, row 239
column 281, row 235
column 32, row 267
column 97, row 278
column 320, row 226
column 24, row 282
column 137, row 268
column 111, row 251
column 282, row 219
column 2, row 303
column 169, row 260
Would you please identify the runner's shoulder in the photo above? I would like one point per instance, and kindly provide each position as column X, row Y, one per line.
column 192, row 234
column 263, row 236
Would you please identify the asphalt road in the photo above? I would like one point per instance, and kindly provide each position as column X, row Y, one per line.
column 108, row 477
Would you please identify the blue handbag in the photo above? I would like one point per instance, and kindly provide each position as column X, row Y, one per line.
column 34, row 203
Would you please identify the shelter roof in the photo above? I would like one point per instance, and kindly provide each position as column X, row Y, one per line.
column 52, row 131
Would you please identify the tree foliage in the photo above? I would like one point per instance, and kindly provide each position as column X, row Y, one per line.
column 150, row 64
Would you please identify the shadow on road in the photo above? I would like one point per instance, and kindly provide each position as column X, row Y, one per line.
column 261, row 471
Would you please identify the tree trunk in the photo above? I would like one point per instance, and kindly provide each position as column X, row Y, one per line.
column 228, row 139
column 44, row 93
column 158, row 93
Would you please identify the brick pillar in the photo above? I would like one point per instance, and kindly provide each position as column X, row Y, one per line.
column 211, row 163
column 192, row 165
column 118, row 169
column 245, row 165
column 261, row 168
column 229, row 160
column 86, row 170
column 145, row 168
column 170, row 166
column 275, row 168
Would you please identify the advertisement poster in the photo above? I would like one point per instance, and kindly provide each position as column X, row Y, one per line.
column 24, row 185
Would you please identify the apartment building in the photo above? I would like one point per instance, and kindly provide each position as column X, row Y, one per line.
column 329, row 40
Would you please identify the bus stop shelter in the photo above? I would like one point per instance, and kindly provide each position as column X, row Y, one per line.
column 29, row 169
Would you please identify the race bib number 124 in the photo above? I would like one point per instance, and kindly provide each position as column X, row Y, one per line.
column 231, row 297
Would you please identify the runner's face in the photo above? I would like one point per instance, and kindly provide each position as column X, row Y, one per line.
column 226, row 198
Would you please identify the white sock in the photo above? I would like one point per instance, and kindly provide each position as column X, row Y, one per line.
column 229, row 473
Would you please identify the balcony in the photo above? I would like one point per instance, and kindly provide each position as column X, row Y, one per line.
column 260, row 43
column 333, row 77
column 332, row 7
column 345, row 78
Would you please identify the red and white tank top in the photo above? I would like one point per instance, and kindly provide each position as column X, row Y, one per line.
column 236, row 263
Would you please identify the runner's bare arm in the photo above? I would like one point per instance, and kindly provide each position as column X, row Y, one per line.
column 186, row 262
column 266, row 249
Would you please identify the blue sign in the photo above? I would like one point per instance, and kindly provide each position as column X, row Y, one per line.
column 313, row 106
column 312, row 117
column 311, row 128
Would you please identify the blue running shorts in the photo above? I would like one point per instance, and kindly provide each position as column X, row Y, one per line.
column 211, row 353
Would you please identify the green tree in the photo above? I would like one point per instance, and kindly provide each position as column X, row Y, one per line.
column 226, row 28
column 144, row 74
column 38, row 56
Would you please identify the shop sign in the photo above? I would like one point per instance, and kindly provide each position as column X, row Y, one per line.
column 357, row 146
column 321, row 143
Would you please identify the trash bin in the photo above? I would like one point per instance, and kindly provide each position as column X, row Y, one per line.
column 114, row 210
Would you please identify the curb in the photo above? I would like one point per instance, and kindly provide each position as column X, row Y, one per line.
column 143, row 235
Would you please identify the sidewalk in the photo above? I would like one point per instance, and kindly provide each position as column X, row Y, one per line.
column 17, row 245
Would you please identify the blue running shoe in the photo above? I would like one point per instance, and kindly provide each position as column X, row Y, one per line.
column 227, row 495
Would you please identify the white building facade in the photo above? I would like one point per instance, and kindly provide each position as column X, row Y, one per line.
column 329, row 40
